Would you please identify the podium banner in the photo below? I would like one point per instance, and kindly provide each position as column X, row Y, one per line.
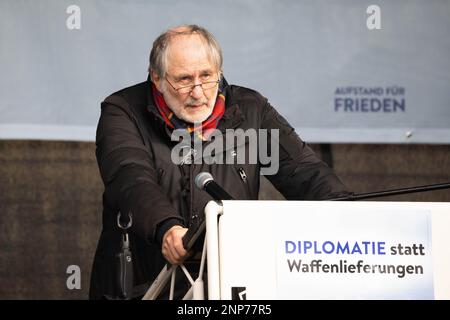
column 350, row 254
column 333, row 250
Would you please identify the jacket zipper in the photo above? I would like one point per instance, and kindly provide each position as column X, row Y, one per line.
column 242, row 174
column 244, row 179
column 160, row 175
column 192, row 213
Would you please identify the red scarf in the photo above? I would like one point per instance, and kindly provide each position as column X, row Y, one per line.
column 204, row 130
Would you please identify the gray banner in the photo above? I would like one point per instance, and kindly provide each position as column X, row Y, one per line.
column 318, row 62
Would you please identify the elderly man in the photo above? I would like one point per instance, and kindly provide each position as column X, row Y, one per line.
column 185, row 91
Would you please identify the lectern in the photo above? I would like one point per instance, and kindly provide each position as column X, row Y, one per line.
column 323, row 250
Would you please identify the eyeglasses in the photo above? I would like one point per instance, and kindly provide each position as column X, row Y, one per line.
column 188, row 89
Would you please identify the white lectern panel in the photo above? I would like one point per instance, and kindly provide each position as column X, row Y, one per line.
column 334, row 250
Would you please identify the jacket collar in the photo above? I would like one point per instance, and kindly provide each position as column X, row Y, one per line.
column 151, row 106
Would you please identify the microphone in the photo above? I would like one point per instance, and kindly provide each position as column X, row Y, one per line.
column 205, row 181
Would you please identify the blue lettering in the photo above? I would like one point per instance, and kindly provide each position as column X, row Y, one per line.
column 290, row 243
column 399, row 105
column 381, row 248
column 364, row 105
column 335, row 247
column 375, row 105
column 356, row 249
column 366, row 249
column 387, row 105
column 342, row 249
column 348, row 104
column 307, row 245
column 316, row 250
column 328, row 243
column 337, row 103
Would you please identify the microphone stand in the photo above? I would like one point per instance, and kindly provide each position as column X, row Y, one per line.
column 392, row 192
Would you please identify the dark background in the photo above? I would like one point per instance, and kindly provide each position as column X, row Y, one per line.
column 50, row 203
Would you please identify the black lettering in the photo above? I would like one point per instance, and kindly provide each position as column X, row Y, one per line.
column 421, row 250
column 408, row 251
column 293, row 263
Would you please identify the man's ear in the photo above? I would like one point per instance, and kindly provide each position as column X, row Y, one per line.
column 156, row 80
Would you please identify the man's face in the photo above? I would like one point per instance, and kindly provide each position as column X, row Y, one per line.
column 188, row 63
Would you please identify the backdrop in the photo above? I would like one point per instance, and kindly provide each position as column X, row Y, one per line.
column 319, row 62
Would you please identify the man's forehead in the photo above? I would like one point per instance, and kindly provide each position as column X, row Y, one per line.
column 184, row 70
column 179, row 43
column 188, row 53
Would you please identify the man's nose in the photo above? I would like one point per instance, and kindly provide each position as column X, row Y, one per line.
column 197, row 91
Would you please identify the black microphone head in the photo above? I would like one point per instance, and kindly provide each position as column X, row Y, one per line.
column 202, row 178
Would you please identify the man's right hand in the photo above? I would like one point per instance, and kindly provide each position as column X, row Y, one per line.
column 172, row 245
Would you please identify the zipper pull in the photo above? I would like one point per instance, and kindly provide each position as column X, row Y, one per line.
column 160, row 175
column 242, row 174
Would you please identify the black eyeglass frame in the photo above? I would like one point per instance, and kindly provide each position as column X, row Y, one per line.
column 192, row 86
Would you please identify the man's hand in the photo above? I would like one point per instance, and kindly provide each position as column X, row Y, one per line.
column 172, row 245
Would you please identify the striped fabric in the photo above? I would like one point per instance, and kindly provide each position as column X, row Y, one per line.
column 207, row 126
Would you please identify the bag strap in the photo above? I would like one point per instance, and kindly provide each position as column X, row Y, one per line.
column 125, row 260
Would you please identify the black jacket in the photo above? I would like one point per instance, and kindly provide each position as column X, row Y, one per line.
column 133, row 154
